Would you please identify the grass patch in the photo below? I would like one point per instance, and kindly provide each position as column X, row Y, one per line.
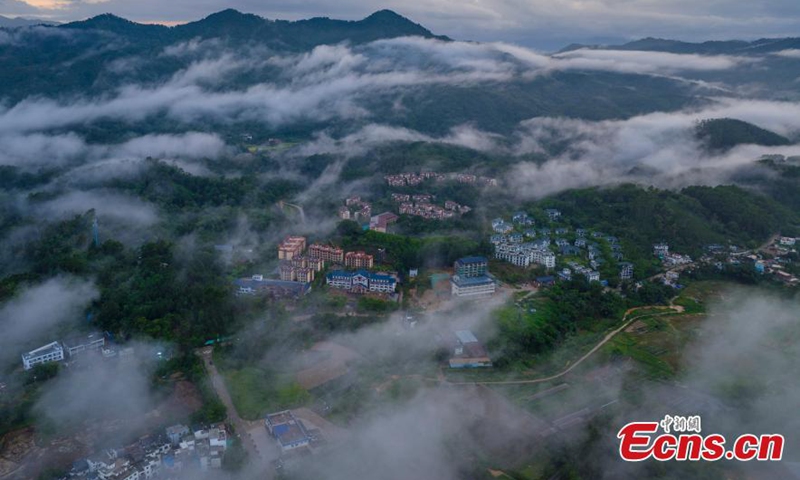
column 256, row 392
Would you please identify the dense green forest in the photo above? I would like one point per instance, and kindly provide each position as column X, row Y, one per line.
column 688, row 219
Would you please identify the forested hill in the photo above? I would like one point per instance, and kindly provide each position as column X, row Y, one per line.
column 714, row 47
column 720, row 134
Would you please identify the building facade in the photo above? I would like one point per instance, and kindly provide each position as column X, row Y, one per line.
column 358, row 260
column 52, row 352
column 291, row 247
column 361, row 281
column 326, row 253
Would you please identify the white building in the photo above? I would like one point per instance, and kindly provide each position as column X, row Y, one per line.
column 788, row 241
column 481, row 286
column 92, row 341
column 660, row 249
column 52, row 352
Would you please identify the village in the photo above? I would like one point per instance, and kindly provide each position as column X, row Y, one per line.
column 559, row 251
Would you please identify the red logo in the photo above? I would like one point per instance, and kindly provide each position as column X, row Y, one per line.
column 639, row 442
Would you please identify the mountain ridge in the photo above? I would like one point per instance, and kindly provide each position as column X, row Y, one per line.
column 292, row 34
column 710, row 47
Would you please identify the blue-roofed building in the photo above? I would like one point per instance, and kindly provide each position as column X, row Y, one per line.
column 361, row 281
column 481, row 286
column 471, row 278
column 288, row 430
column 471, row 266
column 545, row 281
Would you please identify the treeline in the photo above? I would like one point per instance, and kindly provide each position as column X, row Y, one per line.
column 149, row 290
column 412, row 252
column 688, row 220
column 174, row 189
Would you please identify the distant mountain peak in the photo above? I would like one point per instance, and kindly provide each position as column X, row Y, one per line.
column 386, row 14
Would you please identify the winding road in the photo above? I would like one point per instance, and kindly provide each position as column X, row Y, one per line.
column 626, row 321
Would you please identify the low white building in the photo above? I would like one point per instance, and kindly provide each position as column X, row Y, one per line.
column 52, row 352
column 788, row 241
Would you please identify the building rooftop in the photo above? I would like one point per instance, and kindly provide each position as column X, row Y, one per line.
column 471, row 281
column 43, row 350
column 468, row 260
column 466, row 336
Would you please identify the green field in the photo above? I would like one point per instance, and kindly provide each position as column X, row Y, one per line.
column 255, row 392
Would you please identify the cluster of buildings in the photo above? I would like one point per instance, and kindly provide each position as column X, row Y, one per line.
column 421, row 205
column 412, row 179
column 775, row 261
column 471, row 278
column 430, row 211
column 70, row 348
column 574, row 269
column 355, row 208
column 521, row 244
column 475, row 180
column 299, row 266
column 661, row 250
column 154, row 456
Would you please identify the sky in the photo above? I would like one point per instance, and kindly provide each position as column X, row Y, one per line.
column 544, row 24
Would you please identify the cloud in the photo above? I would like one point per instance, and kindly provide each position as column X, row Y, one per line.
column 327, row 82
column 643, row 62
column 40, row 150
column 37, row 314
column 654, row 149
column 109, row 206
column 373, row 135
column 191, row 145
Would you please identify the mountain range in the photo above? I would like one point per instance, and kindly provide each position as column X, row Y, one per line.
column 726, row 47
column 442, row 83
column 17, row 22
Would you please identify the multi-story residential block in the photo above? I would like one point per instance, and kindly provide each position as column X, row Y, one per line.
column 358, row 260
column 305, row 275
column 660, row 249
column 471, row 266
column 52, row 352
column 291, row 247
column 470, row 278
column 326, row 253
column 316, row 264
